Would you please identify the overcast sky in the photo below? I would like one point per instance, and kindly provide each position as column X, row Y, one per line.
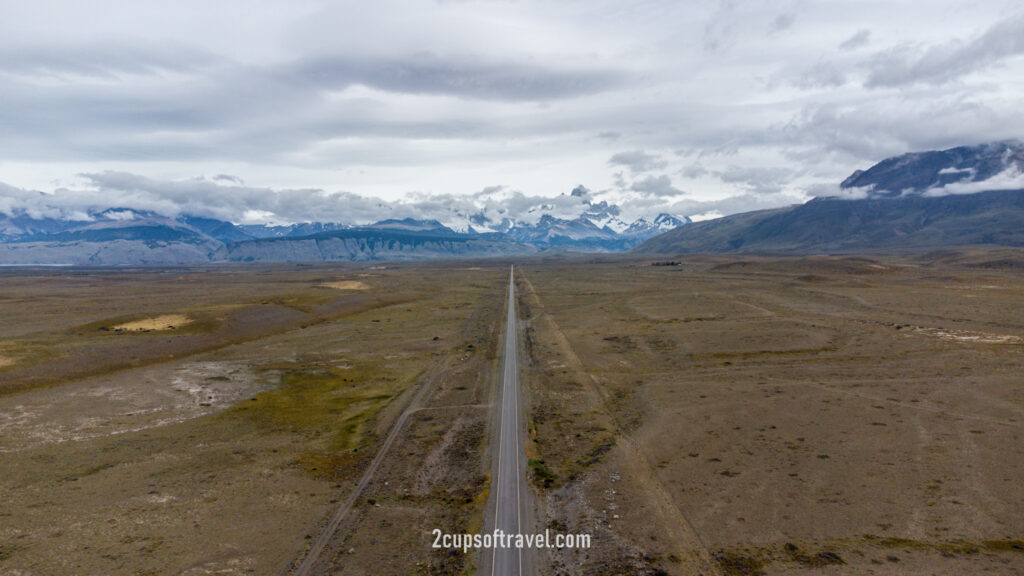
column 300, row 110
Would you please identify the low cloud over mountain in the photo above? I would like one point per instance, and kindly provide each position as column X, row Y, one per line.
column 182, row 222
column 225, row 197
column 965, row 196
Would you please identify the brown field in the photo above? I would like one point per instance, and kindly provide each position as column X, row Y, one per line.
column 222, row 446
column 720, row 415
column 781, row 416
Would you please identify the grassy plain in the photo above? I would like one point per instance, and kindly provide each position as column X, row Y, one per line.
column 755, row 415
column 715, row 415
column 133, row 442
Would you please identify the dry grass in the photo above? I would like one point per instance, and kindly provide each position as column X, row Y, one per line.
column 831, row 403
column 162, row 322
column 771, row 416
column 346, row 285
column 219, row 447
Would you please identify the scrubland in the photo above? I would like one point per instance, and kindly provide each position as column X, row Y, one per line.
column 756, row 415
column 704, row 415
column 209, row 421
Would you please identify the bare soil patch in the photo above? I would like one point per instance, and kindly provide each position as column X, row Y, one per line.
column 162, row 322
column 346, row 285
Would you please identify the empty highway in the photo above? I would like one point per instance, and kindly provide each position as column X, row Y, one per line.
column 510, row 493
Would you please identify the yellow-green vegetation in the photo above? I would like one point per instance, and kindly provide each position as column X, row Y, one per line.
column 733, row 563
column 13, row 351
column 542, row 475
column 320, row 400
column 818, row 554
column 334, row 405
column 951, row 547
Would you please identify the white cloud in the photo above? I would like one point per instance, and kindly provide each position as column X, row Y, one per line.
column 637, row 161
column 404, row 102
column 1010, row 179
column 710, row 215
column 941, row 63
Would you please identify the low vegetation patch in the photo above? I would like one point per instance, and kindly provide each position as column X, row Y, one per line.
column 737, row 564
column 542, row 475
column 332, row 406
column 322, row 401
column 1011, row 545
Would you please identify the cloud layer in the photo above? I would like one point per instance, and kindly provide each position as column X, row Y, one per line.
column 363, row 110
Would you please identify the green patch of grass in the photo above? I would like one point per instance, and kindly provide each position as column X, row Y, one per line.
column 737, row 564
column 948, row 548
column 812, row 560
column 333, row 407
column 321, row 401
column 599, row 446
column 542, row 475
column 957, row 547
column 1013, row 545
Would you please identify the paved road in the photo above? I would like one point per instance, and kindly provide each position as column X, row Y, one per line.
column 512, row 496
column 509, row 497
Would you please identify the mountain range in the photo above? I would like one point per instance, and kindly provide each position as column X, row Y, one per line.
column 965, row 196
column 117, row 236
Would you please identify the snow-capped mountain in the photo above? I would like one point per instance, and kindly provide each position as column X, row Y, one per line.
column 645, row 228
column 411, row 225
column 552, row 230
column 127, row 236
column 291, row 230
column 591, row 225
column 966, row 196
column 992, row 166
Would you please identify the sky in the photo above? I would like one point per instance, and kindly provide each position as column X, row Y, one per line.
column 259, row 111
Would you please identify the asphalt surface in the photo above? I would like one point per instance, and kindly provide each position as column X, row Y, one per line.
column 509, row 497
